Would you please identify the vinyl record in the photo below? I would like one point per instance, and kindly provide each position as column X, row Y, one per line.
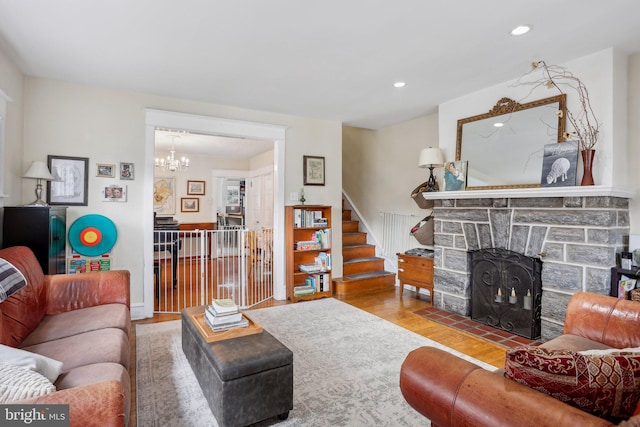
column 92, row 235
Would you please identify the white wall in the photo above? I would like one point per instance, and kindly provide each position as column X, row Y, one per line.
column 108, row 126
column 603, row 73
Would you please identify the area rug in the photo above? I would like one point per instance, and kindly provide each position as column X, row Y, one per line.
column 346, row 369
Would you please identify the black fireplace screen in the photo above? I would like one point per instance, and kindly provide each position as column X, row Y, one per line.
column 506, row 291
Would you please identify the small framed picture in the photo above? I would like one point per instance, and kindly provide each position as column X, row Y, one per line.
column 105, row 171
column 114, row 193
column 559, row 164
column 196, row 188
column 189, row 204
column 453, row 176
column 313, row 170
column 126, row 171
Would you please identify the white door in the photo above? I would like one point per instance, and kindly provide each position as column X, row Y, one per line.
column 260, row 201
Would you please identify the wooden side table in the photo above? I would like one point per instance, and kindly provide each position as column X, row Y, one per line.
column 416, row 271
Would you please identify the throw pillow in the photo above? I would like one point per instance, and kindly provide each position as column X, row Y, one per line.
column 11, row 279
column 606, row 385
column 18, row 383
column 43, row 365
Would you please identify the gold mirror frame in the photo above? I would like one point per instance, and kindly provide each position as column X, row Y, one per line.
column 508, row 106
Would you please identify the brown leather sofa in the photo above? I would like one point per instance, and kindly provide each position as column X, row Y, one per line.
column 452, row 391
column 82, row 320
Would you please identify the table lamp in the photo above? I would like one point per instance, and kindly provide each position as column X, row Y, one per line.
column 39, row 172
column 429, row 158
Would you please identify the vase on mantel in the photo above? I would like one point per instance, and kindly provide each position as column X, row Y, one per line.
column 587, row 163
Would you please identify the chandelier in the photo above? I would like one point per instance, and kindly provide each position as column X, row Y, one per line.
column 171, row 163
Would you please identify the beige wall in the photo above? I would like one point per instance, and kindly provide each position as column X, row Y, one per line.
column 108, row 126
column 380, row 168
column 11, row 165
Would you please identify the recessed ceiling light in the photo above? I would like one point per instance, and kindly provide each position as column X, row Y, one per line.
column 520, row 30
column 498, row 124
column 399, row 84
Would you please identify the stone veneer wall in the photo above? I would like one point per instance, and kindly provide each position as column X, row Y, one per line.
column 578, row 237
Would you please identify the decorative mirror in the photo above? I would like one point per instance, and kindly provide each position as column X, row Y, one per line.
column 504, row 147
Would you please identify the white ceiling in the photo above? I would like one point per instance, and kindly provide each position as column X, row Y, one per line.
column 331, row 59
column 194, row 144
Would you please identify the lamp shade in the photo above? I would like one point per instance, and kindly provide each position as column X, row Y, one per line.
column 430, row 157
column 38, row 170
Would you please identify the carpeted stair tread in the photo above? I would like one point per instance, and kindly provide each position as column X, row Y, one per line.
column 368, row 275
column 354, row 260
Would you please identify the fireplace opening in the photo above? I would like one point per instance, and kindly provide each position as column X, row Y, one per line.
column 506, row 291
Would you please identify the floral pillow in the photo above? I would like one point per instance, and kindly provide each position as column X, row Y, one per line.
column 604, row 383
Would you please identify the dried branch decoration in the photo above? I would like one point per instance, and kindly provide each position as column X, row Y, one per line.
column 585, row 124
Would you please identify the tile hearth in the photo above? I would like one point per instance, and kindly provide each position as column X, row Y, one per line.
column 464, row 324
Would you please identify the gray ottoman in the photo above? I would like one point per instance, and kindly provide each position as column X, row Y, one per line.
column 245, row 379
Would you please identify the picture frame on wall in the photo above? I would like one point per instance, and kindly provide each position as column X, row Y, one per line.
column 164, row 200
column 189, row 204
column 105, row 170
column 70, row 184
column 313, row 170
column 114, row 193
column 126, row 171
column 196, row 188
column 233, row 195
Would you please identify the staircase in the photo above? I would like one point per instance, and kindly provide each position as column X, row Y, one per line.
column 362, row 270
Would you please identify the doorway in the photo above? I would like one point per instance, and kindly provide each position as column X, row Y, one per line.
column 224, row 127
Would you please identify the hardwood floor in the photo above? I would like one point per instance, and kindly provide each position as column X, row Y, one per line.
column 389, row 305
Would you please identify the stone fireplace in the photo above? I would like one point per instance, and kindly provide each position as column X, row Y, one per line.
column 577, row 238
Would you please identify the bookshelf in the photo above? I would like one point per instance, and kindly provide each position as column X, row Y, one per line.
column 308, row 247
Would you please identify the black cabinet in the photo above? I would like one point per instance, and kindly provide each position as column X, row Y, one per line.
column 43, row 229
column 616, row 275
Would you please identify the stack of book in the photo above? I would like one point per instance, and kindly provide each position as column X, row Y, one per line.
column 224, row 314
column 303, row 290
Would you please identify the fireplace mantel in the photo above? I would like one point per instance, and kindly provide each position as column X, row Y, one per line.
column 574, row 191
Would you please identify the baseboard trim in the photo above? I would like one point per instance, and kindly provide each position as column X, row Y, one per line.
column 137, row 311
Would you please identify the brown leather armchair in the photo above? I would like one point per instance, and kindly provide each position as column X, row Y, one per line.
column 452, row 391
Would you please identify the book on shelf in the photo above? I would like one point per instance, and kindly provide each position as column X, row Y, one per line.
column 307, row 245
column 221, row 319
column 242, row 323
column 311, row 268
column 323, row 237
column 319, row 282
column 303, row 290
column 308, row 218
column 224, row 306
column 324, row 259
column 320, row 222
